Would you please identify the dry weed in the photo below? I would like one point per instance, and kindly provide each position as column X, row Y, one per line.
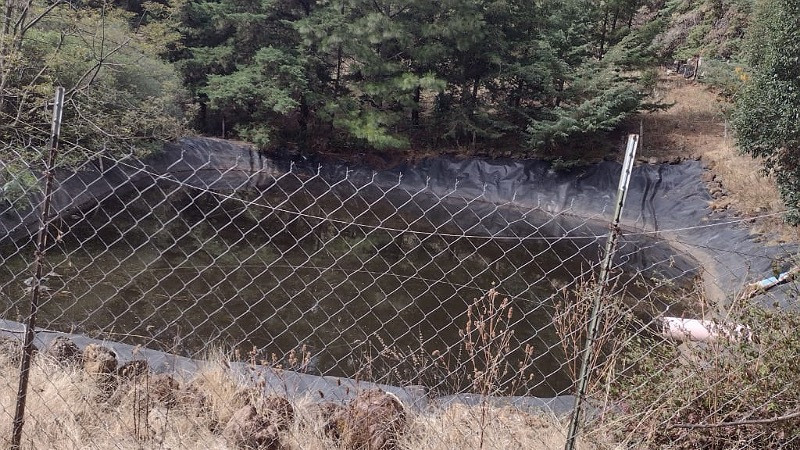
column 571, row 320
column 695, row 127
column 457, row 427
column 67, row 409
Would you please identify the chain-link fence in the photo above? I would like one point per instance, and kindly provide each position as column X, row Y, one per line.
column 210, row 295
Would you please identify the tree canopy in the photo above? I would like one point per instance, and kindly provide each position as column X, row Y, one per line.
column 343, row 74
column 381, row 73
column 767, row 114
column 121, row 94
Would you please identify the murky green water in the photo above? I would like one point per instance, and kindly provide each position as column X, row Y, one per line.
column 187, row 271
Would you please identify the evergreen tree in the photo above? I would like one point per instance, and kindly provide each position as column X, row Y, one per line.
column 589, row 94
column 767, row 114
column 366, row 48
column 377, row 73
column 241, row 62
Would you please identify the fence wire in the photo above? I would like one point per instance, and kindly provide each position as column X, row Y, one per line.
column 300, row 306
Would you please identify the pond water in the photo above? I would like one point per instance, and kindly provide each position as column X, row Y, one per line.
column 363, row 281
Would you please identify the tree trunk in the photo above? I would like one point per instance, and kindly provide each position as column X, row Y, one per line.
column 474, row 106
column 473, row 100
column 614, row 22
column 632, row 13
column 20, row 28
column 304, row 113
column 7, row 13
column 415, row 108
column 559, row 89
column 603, row 32
column 515, row 98
column 338, row 59
column 338, row 70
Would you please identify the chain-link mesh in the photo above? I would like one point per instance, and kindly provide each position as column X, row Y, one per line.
column 200, row 288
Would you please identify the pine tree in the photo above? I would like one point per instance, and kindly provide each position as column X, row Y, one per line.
column 377, row 73
column 242, row 65
column 767, row 114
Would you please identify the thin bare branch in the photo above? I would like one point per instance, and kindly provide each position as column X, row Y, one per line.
column 739, row 423
column 79, row 85
column 38, row 18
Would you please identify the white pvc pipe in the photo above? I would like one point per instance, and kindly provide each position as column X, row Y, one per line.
column 702, row 330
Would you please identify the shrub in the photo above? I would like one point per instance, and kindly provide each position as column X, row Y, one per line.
column 739, row 393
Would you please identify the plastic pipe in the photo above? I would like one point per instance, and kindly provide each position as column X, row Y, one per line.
column 702, row 330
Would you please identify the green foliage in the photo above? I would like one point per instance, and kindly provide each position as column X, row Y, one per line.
column 742, row 379
column 380, row 74
column 121, row 97
column 267, row 86
column 370, row 126
column 694, row 41
column 636, row 49
column 765, row 118
column 242, row 64
column 17, row 184
column 727, row 78
column 601, row 100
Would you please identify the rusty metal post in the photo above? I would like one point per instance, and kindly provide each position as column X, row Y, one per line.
column 41, row 246
column 605, row 268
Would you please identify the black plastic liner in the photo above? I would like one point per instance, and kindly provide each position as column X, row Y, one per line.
column 666, row 216
column 670, row 199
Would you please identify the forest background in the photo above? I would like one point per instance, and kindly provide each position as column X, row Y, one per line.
column 399, row 77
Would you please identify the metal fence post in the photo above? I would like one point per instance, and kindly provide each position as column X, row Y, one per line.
column 608, row 256
column 41, row 245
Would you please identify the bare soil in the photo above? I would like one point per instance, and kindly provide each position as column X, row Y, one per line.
column 695, row 127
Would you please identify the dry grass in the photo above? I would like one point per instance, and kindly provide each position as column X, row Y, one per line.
column 695, row 128
column 457, row 427
column 68, row 409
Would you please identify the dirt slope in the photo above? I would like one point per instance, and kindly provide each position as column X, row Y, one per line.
column 695, row 127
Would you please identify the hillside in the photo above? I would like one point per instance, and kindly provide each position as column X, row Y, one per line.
column 696, row 127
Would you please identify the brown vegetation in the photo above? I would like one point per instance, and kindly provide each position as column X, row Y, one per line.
column 70, row 408
column 695, row 127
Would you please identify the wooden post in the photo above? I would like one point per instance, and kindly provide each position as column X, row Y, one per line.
column 641, row 134
column 697, row 66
